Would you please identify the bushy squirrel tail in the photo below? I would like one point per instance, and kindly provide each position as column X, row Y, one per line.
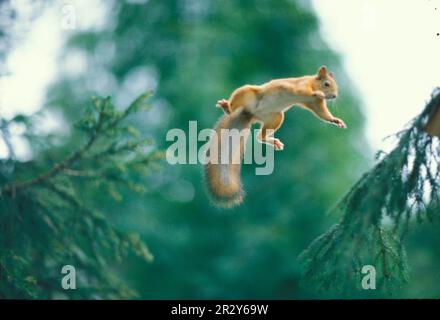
column 222, row 178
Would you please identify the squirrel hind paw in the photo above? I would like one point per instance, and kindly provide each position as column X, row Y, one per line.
column 224, row 104
column 278, row 145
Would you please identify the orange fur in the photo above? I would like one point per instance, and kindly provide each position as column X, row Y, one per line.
column 266, row 104
column 223, row 180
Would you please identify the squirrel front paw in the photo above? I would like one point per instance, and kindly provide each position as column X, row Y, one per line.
column 339, row 123
column 319, row 94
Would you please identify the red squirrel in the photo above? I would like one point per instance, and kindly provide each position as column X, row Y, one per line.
column 265, row 104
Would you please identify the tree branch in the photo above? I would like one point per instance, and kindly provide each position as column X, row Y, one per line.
column 58, row 167
column 432, row 127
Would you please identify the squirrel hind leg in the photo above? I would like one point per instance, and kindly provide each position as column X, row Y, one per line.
column 268, row 128
column 274, row 142
column 244, row 97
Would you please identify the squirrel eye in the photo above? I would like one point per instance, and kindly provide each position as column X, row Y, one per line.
column 327, row 84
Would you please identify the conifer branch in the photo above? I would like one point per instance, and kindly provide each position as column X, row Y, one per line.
column 433, row 125
column 101, row 126
column 403, row 186
column 54, row 220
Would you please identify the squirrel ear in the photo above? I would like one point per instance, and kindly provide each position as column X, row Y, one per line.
column 331, row 74
column 322, row 72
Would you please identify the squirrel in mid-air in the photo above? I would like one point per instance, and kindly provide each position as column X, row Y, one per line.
column 266, row 104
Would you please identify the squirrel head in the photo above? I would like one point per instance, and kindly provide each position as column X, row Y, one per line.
column 325, row 82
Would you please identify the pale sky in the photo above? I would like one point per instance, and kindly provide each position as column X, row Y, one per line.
column 391, row 52
column 390, row 49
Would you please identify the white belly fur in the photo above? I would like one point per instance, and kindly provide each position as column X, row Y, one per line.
column 270, row 104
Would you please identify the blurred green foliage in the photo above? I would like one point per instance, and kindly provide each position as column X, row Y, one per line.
column 191, row 53
column 45, row 220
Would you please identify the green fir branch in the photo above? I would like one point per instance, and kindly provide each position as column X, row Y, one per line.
column 402, row 187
